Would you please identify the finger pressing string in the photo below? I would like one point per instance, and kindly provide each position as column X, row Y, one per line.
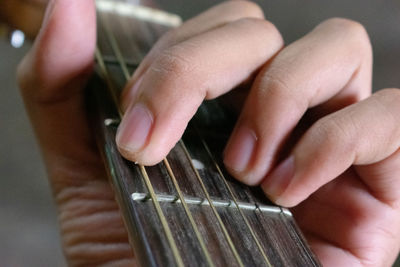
column 364, row 133
column 203, row 67
column 328, row 66
column 217, row 16
column 52, row 78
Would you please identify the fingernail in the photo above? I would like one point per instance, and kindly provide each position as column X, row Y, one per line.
column 240, row 149
column 135, row 127
column 277, row 182
column 129, row 95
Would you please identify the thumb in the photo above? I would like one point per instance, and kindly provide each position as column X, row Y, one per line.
column 63, row 50
column 52, row 77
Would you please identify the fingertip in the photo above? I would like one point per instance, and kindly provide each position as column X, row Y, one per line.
column 135, row 136
column 284, row 201
column 275, row 184
column 66, row 43
column 135, row 129
column 240, row 149
column 141, row 157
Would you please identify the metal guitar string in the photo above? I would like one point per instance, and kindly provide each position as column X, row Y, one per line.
column 155, row 198
column 119, row 56
column 188, row 213
column 221, row 224
column 146, row 179
column 164, row 223
column 125, row 71
column 222, row 177
column 106, row 76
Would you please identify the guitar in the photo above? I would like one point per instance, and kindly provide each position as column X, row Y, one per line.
column 187, row 210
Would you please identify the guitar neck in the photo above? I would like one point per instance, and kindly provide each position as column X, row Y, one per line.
column 186, row 210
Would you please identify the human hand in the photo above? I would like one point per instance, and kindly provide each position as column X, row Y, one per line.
column 310, row 104
column 54, row 99
column 52, row 77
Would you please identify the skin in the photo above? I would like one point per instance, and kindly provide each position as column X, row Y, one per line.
column 310, row 132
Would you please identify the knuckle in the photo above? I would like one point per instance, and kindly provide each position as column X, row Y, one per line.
column 244, row 8
column 355, row 31
column 346, row 24
column 273, row 84
column 388, row 99
column 173, row 61
column 270, row 30
column 334, row 133
column 392, row 93
column 276, row 83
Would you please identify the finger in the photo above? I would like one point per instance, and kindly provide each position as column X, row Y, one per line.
column 214, row 17
column 382, row 178
column 172, row 89
column 330, row 65
column 52, row 77
column 336, row 218
column 361, row 134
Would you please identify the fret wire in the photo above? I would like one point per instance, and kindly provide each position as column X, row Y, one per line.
column 188, row 213
column 221, row 224
column 161, row 216
column 156, row 205
column 146, row 178
column 253, row 234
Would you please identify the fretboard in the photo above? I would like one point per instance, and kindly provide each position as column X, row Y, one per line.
column 187, row 210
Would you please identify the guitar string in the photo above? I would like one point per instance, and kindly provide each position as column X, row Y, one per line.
column 120, row 58
column 172, row 176
column 156, row 204
column 106, row 76
column 152, row 194
column 223, row 178
column 161, row 216
column 221, row 224
column 189, row 214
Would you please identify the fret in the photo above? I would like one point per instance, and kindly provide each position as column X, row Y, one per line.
column 186, row 176
column 149, row 185
column 229, row 182
column 186, row 210
column 143, row 197
column 188, row 213
column 146, row 179
column 217, row 216
column 222, row 177
column 161, row 216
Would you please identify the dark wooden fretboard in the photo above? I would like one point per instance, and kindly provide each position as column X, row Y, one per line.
column 187, row 210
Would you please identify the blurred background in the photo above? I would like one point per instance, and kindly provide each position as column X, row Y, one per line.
column 28, row 223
